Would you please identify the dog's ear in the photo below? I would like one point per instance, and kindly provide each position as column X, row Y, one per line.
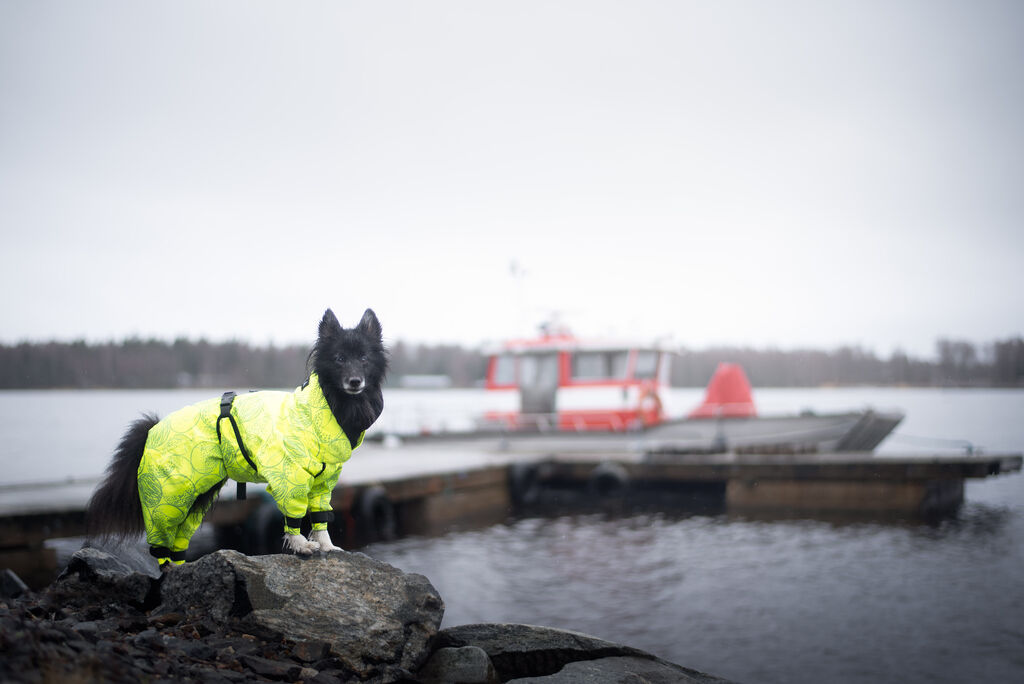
column 370, row 325
column 329, row 325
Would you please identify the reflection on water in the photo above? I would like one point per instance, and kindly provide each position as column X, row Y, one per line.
column 754, row 600
column 973, row 524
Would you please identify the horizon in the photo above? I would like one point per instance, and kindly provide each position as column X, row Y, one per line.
column 486, row 348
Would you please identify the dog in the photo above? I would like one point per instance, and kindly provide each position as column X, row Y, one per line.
column 165, row 474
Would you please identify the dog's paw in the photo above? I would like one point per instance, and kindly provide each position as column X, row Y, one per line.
column 323, row 538
column 299, row 544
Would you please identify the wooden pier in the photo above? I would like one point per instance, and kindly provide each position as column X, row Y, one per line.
column 438, row 485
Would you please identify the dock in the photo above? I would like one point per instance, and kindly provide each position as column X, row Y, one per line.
column 435, row 485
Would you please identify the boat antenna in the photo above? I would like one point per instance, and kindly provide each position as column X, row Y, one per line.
column 518, row 274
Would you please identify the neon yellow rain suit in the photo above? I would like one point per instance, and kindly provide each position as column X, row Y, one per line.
column 293, row 438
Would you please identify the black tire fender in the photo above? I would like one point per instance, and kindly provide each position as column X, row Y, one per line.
column 524, row 483
column 376, row 514
column 264, row 528
column 608, row 479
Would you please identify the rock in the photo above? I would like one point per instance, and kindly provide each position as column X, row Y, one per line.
column 197, row 650
column 621, row 669
column 134, row 556
column 535, row 653
column 466, row 665
column 94, row 564
column 165, row 619
column 88, row 630
column 311, row 651
column 344, row 618
column 101, row 572
column 378, row 621
column 11, row 585
column 150, row 639
column 529, row 651
column 272, row 669
column 132, row 623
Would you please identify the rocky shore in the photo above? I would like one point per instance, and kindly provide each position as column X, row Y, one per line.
column 338, row 617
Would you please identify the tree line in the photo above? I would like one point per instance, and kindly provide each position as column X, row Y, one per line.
column 956, row 364
column 140, row 363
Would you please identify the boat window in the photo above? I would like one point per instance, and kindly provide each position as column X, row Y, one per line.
column 538, row 371
column 618, row 362
column 646, row 365
column 599, row 365
column 505, row 370
column 528, row 371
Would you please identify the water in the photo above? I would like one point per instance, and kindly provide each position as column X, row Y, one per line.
column 752, row 600
column 757, row 601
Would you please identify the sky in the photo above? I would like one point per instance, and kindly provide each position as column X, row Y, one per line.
column 792, row 174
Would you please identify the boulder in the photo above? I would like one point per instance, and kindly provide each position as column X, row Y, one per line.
column 95, row 571
column 545, row 654
column 102, row 565
column 133, row 555
column 466, row 665
column 622, row 669
column 11, row 585
column 331, row 618
column 376, row 620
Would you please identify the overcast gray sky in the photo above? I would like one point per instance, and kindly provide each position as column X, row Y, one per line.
column 790, row 174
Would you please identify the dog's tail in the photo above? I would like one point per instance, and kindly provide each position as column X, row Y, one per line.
column 114, row 509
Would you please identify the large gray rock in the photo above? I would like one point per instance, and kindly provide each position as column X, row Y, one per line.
column 466, row 665
column 378, row 621
column 97, row 571
column 544, row 654
column 109, row 564
column 622, row 669
column 133, row 555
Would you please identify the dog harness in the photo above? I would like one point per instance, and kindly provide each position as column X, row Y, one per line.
column 226, row 400
column 289, row 440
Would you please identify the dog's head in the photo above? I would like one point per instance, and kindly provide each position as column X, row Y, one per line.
column 350, row 359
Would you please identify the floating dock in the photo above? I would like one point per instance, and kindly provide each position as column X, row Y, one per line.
column 432, row 486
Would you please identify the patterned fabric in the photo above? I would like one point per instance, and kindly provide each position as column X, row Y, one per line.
column 294, row 440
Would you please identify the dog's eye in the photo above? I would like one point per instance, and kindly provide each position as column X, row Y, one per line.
column 340, row 358
column 363, row 358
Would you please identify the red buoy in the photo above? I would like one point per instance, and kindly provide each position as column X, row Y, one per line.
column 728, row 395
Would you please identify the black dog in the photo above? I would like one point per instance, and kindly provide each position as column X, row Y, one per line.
column 166, row 473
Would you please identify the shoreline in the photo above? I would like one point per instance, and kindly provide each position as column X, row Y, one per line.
column 103, row 620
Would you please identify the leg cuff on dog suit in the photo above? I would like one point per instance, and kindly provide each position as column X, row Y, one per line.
column 160, row 552
column 321, row 517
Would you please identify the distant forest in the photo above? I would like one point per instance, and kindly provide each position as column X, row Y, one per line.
column 137, row 363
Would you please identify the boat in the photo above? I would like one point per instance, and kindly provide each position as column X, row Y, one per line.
column 591, row 394
column 569, row 385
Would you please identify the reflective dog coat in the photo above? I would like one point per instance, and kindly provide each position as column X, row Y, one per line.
column 292, row 438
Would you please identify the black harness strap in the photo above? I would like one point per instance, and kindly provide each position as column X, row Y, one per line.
column 226, row 400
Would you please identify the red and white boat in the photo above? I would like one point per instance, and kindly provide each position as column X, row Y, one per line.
column 566, row 384
column 589, row 392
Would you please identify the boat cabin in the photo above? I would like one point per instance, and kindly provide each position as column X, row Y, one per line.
column 567, row 384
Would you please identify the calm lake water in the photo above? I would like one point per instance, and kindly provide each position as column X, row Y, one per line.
column 748, row 599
